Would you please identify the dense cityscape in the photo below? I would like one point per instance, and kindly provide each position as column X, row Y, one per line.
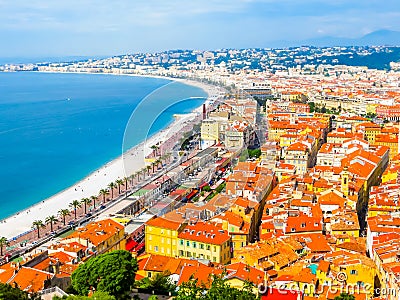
column 284, row 186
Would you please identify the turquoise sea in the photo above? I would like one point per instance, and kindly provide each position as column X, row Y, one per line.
column 56, row 129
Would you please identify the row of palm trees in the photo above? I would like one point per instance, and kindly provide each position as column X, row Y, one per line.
column 75, row 204
column 146, row 170
column 63, row 213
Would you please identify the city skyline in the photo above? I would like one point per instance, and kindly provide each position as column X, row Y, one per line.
column 44, row 28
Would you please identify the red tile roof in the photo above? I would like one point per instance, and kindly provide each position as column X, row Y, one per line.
column 205, row 233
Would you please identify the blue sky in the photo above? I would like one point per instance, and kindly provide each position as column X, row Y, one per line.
column 104, row 27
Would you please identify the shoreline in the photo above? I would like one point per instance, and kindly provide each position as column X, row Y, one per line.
column 20, row 222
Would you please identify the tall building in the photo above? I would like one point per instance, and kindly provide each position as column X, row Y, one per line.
column 209, row 133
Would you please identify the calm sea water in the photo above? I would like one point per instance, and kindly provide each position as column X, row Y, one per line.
column 56, row 129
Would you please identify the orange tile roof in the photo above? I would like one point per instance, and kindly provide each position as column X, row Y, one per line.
column 297, row 147
column 231, row 218
column 316, row 242
column 159, row 263
column 244, row 272
column 331, row 198
column 7, row 272
column 97, row 232
column 323, row 266
column 62, row 257
column 30, row 280
column 303, row 223
column 205, row 233
column 202, row 273
column 162, row 222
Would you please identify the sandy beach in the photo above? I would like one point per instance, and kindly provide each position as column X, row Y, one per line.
column 21, row 222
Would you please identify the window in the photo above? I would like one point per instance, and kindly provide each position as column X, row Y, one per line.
column 187, row 243
column 201, row 246
column 181, row 253
column 353, row 272
column 188, row 254
column 194, row 245
column 181, row 242
column 156, row 248
column 214, row 259
column 149, row 274
column 208, row 247
column 215, row 248
column 150, row 237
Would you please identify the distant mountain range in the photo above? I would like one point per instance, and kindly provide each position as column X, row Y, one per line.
column 377, row 38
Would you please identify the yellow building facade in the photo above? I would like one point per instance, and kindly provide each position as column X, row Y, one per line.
column 205, row 241
column 161, row 236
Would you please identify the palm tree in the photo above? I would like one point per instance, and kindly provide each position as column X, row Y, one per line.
column 163, row 159
column 51, row 220
column 104, row 193
column 94, row 198
column 132, row 177
column 155, row 149
column 38, row 224
column 119, row 182
column 64, row 213
column 86, row 202
column 153, row 164
column 148, row 170
column 126, row 182
column 111, row 185
column 166, row 156
column 75, row 204
column 158, row 162
column 3, row 242
column 143, row 171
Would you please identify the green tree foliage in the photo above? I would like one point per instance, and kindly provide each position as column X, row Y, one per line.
column 255, row 153
column 95, row 296
column 344, row 296
column 160, row 283
column 249, row 153
column 312, row 106
column 13, row 293
column 219, row 290
column 207, row 188
column 112, row 272
column 190, row 290
column 220, row 188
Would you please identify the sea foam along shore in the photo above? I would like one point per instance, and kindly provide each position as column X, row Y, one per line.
column 21, row 222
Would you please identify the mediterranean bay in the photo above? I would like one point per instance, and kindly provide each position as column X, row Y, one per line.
column 55, row 129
